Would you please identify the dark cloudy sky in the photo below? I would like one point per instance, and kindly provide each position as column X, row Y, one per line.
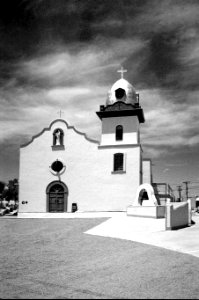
column 65, row 54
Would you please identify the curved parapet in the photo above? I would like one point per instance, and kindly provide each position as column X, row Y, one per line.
column 49, row 128
column 145, row 196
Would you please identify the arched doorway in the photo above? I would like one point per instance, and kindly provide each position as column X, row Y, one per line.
column 143, row 195
column 57, row 197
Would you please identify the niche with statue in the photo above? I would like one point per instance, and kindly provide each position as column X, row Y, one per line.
column 58, row 139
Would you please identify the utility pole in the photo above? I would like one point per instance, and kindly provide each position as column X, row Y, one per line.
column 179, row 191
column 187, row 189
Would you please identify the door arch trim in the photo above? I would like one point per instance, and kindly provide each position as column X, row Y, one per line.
column 66, row 192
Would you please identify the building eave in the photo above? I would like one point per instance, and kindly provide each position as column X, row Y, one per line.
column 122, row 113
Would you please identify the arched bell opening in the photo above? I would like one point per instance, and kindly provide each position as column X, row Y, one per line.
column 120, row 94
column 119, row 133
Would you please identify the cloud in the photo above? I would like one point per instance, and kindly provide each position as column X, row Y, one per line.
column 80, row 62
column 170, row 57
column 154, row 16
column 153, row 151
column 168, row 125
column 65, row 56
column 76, row 83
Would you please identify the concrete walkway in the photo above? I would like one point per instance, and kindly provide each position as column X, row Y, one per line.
column 143, row 230
column 76, row 215
column 152, row 232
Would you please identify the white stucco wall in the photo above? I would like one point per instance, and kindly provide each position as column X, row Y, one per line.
column 177, row 215
column 147, row 171
column 130, row 128
column 88, row 174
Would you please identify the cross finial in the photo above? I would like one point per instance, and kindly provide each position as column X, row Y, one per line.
column 60, row 113
column 122, row 71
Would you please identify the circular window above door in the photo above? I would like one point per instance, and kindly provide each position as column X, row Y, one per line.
column 57, row 167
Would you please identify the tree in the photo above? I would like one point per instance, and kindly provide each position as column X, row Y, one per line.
column 10, row 191
column 2, row 185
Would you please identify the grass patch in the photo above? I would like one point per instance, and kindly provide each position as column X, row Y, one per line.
column 53, row 258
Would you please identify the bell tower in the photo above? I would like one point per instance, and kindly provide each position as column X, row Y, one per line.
column 121, row 115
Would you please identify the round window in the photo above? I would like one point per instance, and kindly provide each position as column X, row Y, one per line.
column 57, row 166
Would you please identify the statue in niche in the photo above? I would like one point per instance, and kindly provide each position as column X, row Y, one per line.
column 58, row 138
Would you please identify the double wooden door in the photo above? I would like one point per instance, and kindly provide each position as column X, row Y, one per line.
column 57, row 198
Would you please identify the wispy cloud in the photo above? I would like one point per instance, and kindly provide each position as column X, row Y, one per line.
column 61, row 80
column 79, row 62
column 168, row 123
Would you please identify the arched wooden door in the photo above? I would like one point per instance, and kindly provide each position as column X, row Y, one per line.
column 57, row 197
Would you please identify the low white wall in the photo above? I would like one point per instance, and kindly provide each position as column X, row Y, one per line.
column 156, row 212
column 177, row 215
column 193, row 203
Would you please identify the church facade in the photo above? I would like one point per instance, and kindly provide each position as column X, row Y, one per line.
column 62, row 170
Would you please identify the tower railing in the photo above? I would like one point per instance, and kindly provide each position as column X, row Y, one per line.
column 163, row 192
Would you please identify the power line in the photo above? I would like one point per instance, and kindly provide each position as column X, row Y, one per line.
column 191, row 182
column 192, row 188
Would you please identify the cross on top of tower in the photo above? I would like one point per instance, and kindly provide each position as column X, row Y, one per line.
column 122, row 71
column 60, row 113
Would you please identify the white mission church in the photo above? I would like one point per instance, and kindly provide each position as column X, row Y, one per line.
column 62, row 170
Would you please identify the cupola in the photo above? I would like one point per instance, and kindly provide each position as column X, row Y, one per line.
column 123, row 91
column 122, row 100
